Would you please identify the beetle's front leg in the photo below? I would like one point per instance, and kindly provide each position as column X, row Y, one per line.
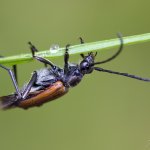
column 82, row 42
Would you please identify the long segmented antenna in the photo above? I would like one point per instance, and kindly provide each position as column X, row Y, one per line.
column 116, row 54
column 122, row 74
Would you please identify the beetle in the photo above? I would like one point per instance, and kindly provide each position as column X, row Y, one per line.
column 53, row 82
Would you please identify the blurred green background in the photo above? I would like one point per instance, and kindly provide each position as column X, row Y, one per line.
column 105, row 111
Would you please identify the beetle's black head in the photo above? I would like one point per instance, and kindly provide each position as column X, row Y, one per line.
column 86, row 65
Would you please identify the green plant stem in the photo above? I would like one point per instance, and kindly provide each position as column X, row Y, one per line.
column 78, row 49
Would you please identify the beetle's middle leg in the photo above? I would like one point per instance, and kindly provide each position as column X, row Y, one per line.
column 29, row 85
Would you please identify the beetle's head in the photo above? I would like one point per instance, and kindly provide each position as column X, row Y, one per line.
column 86, row 65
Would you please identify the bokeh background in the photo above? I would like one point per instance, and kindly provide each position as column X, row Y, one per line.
column 105, row 111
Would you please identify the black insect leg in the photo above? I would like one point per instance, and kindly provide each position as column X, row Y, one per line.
column 82, row 42
column 82, row 55
column 33, row 48
column 14, row 70
column 66, row 59
column 122, row 74
column 43, row 60
column 29, row 85
column 13, row 80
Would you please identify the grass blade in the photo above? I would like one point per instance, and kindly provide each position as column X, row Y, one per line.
column 77, row 49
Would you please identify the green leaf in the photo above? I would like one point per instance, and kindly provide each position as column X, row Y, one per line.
column 78, row 49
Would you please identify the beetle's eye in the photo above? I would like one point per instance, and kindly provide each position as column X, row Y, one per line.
column 84, row 66
column 87, row 66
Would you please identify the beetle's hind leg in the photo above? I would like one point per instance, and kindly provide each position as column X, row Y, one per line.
column 14, row 70
column 13, row 80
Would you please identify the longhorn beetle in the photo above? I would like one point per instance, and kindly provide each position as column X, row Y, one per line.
column 52, row 82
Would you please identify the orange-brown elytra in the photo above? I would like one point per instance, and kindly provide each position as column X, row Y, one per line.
column 43, row 96
column 52, row 82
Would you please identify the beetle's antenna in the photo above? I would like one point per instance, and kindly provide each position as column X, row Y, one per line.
column 122, row 74
column 116, row 54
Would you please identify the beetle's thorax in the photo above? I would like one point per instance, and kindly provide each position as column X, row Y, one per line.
column 76, row 72
column 86, row 65
column 73, row 76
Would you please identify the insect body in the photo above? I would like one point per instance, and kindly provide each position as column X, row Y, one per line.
column 52, row 82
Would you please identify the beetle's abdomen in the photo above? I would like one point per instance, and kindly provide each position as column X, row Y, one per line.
column 49, row 94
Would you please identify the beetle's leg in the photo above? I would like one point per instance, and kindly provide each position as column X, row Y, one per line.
column 13, row 80
column 66, row 59
column 29, row 85
column 43, row 60
column 81, row 42
column 33, row 49
column 122, row 74
column 82, row 55
column 14, row 70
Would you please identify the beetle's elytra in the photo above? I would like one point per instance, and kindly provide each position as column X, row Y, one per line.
column 43, row 96
column 52, row 82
